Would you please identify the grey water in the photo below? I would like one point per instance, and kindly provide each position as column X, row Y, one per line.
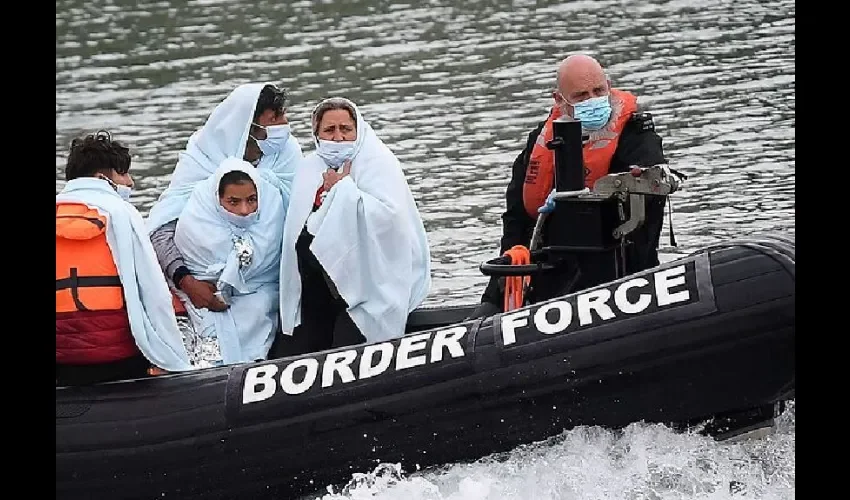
column 453, row 88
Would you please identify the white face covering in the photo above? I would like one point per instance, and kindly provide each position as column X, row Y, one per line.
column 335, row 153
column 276, row 137
column 241, row 221
column 124, row 192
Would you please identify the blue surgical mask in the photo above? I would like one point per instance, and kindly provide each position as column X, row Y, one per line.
column 276, row 138
column 593, row 113
column 335, row 153
column 124, row 192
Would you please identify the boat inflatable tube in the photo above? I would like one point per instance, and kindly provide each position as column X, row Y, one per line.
column 700, row 336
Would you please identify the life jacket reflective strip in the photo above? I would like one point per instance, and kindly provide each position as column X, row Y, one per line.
column 86, row 275
column 597, row 152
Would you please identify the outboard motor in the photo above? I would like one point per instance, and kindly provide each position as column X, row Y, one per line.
column 584, row 241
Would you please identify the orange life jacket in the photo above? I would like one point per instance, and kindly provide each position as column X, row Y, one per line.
column 597, row 152
column 86, row 275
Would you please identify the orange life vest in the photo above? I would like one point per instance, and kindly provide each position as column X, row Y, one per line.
column 597, row 152
column 86, row 275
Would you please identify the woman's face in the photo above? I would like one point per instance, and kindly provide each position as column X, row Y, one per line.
column 239, row 198
column 337, row 125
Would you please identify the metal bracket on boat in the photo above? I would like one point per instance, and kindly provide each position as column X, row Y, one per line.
column 657, row 180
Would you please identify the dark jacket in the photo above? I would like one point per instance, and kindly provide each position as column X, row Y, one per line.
column 639, row 145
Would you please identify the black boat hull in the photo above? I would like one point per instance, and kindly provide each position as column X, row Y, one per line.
column 712, row 333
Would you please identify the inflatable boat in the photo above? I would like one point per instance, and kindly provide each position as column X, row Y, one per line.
column 711, row 334
column 704, row 339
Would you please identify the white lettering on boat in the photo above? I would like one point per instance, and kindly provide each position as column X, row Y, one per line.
column 299, row 376
column 367, row 369
column 407, row 346
column 595, row 306
column 338, row 362
column 287, row 378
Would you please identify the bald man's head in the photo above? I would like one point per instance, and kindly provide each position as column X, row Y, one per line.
column 580, row 77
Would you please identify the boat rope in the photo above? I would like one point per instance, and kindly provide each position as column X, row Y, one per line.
column 515, row 285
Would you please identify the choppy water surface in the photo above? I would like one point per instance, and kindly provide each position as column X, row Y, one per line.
column 454, row 87
column 589, row 463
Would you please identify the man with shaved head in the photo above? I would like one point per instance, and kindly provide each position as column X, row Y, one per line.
column 616, row 137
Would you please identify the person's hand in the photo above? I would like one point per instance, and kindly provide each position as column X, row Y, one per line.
column 549, row 206
column 202, row 294
column 331, row 176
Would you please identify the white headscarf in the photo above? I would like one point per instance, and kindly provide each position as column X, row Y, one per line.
column 224, row 135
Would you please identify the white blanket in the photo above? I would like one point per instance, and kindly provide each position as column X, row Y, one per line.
column 369, row 238
column 224, row 135
column 146, row 292
column 205, row 237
